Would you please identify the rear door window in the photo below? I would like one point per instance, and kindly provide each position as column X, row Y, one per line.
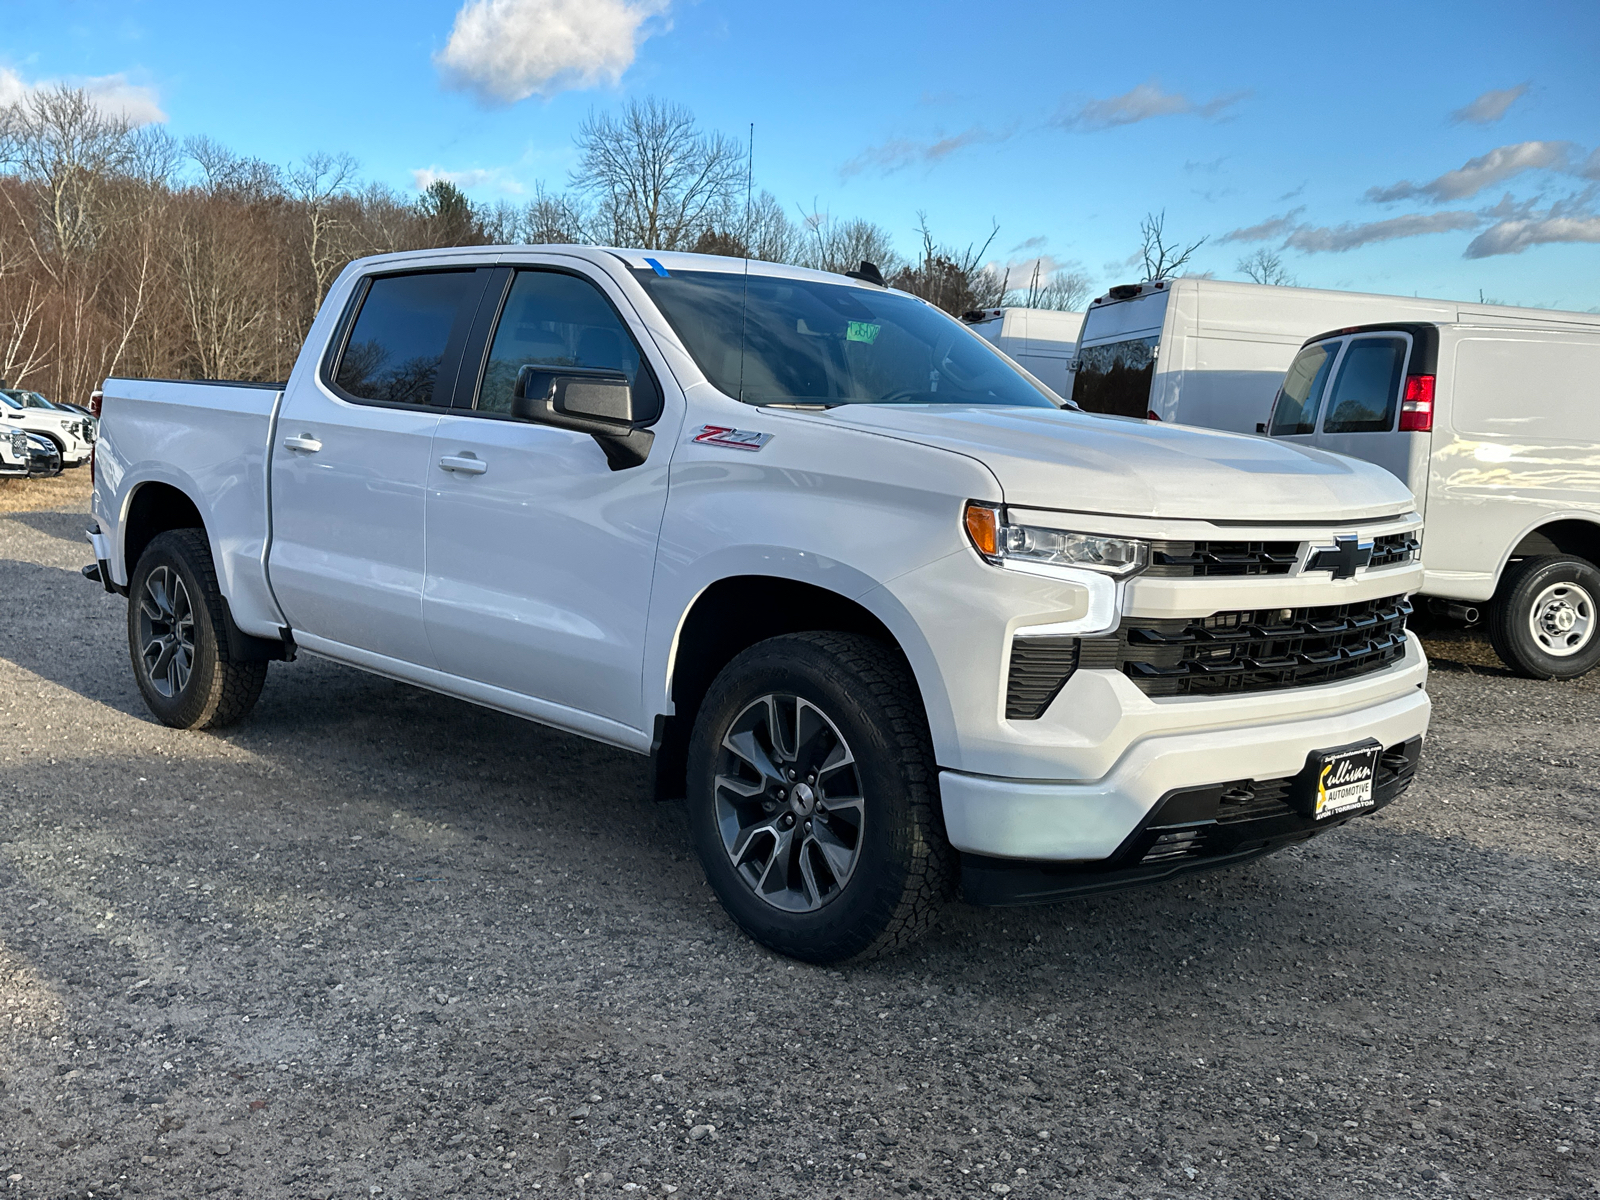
column 398, row 342
column 551, row 319
column 1300, row 397
column 1115, row 378
column 1366, row 392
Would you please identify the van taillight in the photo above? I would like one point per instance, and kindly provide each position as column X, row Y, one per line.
column 95, row 397
column 1152, row 415
column 1416, row 407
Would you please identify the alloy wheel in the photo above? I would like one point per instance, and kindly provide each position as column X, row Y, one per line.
column 166, row 631
column 789, row 806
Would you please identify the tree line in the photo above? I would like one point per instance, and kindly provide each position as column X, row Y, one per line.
column 125, row 251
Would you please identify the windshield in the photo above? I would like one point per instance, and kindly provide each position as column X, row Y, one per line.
column 22, row 399
column 1300, row 397
column 810, row 342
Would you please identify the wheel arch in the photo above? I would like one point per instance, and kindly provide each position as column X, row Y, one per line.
column 1574, row 534
column 152, row 508
column 734, row 613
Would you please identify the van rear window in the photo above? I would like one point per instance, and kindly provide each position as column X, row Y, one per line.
column 1115, row 378
column 1300, row 397
column 1366, row 392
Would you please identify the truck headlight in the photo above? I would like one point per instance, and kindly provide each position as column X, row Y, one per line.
column 1001, row 542
column 19, row 444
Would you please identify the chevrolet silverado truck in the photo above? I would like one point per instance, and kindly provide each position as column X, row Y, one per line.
column 895, row 621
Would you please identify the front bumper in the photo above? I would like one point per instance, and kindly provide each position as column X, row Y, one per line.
column 1190, row 829
column 1088, row 821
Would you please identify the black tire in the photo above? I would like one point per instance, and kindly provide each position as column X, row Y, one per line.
column 848, row 689
column 214, row 690
column 1536, row 596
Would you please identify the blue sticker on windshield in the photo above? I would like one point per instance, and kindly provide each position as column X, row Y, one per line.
column 658, row 268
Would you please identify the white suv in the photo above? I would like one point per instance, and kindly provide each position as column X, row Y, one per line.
column 72, row 434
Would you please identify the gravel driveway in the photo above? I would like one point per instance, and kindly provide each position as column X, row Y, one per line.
column 378, row 943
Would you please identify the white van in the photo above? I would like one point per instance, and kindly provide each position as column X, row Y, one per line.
column 1043, row 341
column 1209, row 352
column 1492, row 418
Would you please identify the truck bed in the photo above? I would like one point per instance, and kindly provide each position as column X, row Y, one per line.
column 209, row 439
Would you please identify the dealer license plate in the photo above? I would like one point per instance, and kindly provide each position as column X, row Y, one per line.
column 1339, row 782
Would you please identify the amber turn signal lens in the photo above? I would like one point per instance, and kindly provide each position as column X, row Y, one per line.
column 983, row 527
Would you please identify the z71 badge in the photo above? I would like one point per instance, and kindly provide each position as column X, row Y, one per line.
column 733, row 439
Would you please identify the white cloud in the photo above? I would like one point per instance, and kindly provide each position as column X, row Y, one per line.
column 1498, row 165
column 1141, row 104
column 1272, row 227
column 1570, row 220
column 1349, row 237
column 424, row 177
column 111, row 94
column 507, row 50
column 1489, row 107
column 898, row 153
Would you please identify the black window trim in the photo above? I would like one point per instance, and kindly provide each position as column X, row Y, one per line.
column 480, row 340
column 450, row 362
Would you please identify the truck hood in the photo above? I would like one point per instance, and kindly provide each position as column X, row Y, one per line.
column 1082, row 462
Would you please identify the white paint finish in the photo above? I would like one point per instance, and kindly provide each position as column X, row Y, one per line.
column 1047, row 458
column 210, row 443
column 60, row 427
column 1087, row 821
column 538, row 571
column 1042, row 341
column 347, row 521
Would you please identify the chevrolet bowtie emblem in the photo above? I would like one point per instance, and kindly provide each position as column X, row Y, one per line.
column 1343, row 558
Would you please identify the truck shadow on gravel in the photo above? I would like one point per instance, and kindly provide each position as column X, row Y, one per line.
column 67, row 526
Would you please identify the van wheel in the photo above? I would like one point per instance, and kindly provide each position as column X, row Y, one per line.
column 178, row 640
column 813, row 798
column 1545, row 619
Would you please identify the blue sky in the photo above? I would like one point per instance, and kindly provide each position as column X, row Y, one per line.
column 1439, row 149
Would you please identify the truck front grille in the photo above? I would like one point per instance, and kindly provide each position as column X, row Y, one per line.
column 1197, row 559
column 1255, row 650
column 1392, row 549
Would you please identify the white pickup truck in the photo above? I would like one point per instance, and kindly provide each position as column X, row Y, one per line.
column 891, row 619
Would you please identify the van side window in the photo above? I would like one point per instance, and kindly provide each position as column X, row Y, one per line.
column 1366, row 391
column 552, row 319
column 1300, row 397
column 398, row 341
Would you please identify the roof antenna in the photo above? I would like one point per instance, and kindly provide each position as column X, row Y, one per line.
column 868, row 273
column 744, row 300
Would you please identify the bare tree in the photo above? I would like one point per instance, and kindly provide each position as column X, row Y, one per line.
column 657, row 179
column 952, row 278
column 1264, row 266
column 827, row 244
column 1063, row 290
column 1162, row 259
column 554, row 219
column 317, row 184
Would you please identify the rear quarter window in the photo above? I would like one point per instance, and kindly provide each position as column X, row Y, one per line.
column 1366, row 391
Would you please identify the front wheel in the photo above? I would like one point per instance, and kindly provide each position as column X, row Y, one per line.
column 1544, row 622
column 813, row 800
column 178, row 637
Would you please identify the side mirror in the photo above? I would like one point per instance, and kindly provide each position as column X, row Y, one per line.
column 1261, row 426
column 596, row 401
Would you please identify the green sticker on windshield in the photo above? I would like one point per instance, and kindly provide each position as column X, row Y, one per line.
column 861, row 331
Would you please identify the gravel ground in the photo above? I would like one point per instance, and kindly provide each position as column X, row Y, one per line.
column 378, row 943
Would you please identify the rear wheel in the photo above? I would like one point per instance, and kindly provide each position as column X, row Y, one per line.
column 813, row 798
column 178, row 639
column 1545, row 619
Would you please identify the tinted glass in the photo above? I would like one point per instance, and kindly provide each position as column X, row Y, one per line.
column 555, row 320
column 398, row 341
column 766, row 340
column 1115, row 378
column 1300, row 397
column 1366, row 392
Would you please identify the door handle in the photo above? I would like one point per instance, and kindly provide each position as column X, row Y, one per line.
column 303, row 442
column 466, row 464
